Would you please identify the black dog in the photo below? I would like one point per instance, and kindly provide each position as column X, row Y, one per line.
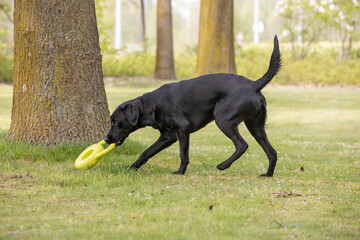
column 178, row 109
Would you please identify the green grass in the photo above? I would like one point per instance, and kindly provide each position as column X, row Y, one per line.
column 320, row 67
column 43, row 196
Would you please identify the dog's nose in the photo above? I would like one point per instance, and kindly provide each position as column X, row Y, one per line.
column 107, row 139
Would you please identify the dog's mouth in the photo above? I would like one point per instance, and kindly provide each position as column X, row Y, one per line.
column 120, row 141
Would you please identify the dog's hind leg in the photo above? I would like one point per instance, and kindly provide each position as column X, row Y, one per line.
column 184, row 138
column 166, row 139
column 256, row 127
column 230, row 129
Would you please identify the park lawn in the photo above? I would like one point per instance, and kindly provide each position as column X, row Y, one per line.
column 314, row 194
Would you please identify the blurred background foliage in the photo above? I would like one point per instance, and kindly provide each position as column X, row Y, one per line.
column 319, row 39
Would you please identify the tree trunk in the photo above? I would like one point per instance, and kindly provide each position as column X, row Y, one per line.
column 143, row 25
column 342, row 48
column 59, row 93
column 348, row 49
column 216, row 37
column 164, row 68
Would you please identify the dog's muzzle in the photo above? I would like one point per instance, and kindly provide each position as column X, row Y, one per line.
column 120, row 141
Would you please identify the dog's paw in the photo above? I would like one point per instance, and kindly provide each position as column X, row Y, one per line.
column 178, row 173
column 266, row 175
column 222, row 166
column 131, row 167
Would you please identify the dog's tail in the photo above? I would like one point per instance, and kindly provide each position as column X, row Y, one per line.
column 274, row 67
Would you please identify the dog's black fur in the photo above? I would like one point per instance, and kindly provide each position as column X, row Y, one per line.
column 178, row 109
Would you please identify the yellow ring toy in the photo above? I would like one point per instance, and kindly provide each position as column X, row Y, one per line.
column 92, row 155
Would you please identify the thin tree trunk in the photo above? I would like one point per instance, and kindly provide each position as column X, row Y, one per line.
column 349, row 47
column 6, row 9
column 216, row 37
column 164, row 68
column 59, row 93
column 342, row 48
column 143, row 25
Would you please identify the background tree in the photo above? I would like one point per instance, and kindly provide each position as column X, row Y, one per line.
column 343, row 18
column 216, row 37
column 304, row 23
column 59, row 93
column 6, row 9
column 164, row 68
column 307, row 21
column 143, row 25
column 105, row 28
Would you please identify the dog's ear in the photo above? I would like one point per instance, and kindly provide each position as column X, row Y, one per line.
column 132, row 112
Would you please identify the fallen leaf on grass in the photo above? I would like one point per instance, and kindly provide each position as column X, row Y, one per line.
column 211, row 207
column 17, row 176
column 302, row 169
column 281, row 225
column 285, row 194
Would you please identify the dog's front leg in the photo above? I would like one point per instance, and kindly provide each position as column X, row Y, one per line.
column 166, row 139
column 184, row 137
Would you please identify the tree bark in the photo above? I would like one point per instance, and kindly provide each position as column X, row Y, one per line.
column 216, row 37
column 59, row 93
column 164, row 68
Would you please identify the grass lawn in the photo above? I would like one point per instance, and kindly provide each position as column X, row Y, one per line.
column 314, row 194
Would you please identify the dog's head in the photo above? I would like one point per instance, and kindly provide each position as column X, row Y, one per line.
column 124, row 121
